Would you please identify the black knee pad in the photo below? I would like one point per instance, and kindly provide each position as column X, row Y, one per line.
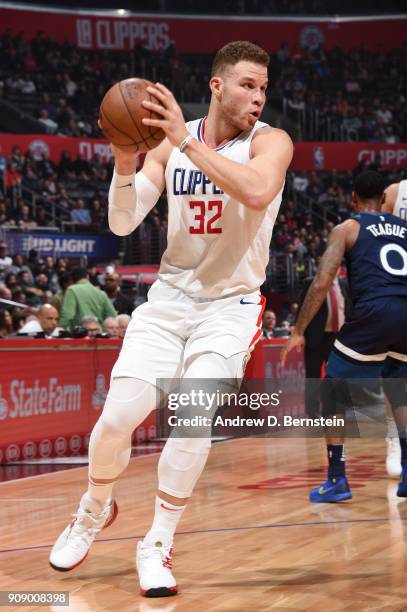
column 335, row 396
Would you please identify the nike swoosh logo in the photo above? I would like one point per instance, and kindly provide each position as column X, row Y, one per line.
column 243, row 302
column 121, row 186
column 172, row 509
column 322, row 491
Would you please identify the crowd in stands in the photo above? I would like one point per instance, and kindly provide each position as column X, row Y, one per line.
column 333, row 93
column 248, row 7
column 45, row 298
column 71, row 194
column 313, row 201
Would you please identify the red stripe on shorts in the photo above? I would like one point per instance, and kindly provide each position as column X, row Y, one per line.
column 258, row 323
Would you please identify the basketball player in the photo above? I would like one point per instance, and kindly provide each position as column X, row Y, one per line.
column 395, row 203
column 372, row 342
column 224, row 175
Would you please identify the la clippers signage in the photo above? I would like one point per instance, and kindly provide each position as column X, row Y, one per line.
column 347, row 155
column 52, row 393
column 307, row 155
column 118, row 30
column 39, row 145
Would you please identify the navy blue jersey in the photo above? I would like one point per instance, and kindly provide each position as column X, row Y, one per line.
column 377, row 263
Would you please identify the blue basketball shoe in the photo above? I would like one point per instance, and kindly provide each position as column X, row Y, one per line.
column 335, row 489
column 402, row 488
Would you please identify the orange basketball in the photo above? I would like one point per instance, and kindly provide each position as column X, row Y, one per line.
column 121, row 115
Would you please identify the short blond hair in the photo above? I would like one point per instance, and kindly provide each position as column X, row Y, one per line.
column 238, row 51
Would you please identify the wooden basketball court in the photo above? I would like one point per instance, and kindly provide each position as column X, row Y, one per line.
column 249, row 540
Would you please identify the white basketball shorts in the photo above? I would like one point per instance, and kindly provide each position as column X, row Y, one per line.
column 166, row 332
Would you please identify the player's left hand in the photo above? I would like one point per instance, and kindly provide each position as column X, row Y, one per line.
column 167, row 107
column 294, row 341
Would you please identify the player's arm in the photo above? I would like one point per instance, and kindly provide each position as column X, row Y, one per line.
column 254, row 184
column 341, row 239
column 132, row 195
column 390, row 194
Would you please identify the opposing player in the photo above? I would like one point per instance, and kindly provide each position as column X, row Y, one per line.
column 224, row 176
column 372, row 342
column 395, row 203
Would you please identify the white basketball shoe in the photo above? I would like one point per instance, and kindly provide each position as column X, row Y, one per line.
column 72, row 546
column 154, row 565
column 393, row 459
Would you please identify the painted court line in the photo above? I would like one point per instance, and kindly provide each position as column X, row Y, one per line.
column 227, row 529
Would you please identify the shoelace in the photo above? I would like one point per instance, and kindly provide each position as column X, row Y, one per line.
column 81, row 529
column 153, row 553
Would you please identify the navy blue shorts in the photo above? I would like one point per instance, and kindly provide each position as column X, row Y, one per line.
column 376, row 330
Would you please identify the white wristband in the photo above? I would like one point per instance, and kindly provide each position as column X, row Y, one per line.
column 185, row 142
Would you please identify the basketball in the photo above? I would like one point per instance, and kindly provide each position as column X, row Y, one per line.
column 121, row 114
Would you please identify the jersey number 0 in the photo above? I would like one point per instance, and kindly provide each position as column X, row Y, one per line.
column 204, row 225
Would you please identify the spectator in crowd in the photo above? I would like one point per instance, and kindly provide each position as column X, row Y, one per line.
column 64, row 280
column 111, row 327
column 5, row 260
column 123, row 321
column 80, row 214
column 45, row 325
column 122, row 303
column 91, row 325
column 6, row 323
column 268, row 324
column 82, row 299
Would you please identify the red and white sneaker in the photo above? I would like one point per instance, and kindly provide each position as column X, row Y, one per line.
column 154, row 565
column 72, row 546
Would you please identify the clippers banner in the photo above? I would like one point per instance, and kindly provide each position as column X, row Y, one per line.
column 120, row 30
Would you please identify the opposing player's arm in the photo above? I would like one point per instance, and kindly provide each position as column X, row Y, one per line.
column 391, row 194
column 132, row 195
column 341, row 239
column 254, row 184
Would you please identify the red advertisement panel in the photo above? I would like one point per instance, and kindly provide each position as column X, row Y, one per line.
column 122, row 30
column 307, row 155
column 54, row 146
column 51, row 395
column 347, row 155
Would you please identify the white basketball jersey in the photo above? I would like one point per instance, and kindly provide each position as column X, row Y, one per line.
column 400, row 207
column 217, row 247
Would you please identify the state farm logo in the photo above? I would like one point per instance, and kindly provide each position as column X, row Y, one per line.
column 45, row 448
column 3, row 407
column 75, row 443
column 60, row 446
column 29, row 450
column 12, row 452
column 38, row 148
column 311, row 37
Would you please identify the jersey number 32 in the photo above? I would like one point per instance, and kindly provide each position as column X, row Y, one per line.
column 206, row 215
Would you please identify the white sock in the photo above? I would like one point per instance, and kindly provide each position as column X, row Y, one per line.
column 166, row 519
column 391, row 428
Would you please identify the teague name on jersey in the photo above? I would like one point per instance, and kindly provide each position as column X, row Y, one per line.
column 387, row 229
column 192, row 182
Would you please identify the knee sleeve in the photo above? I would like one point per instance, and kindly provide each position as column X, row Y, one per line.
column 128, row 403
column 181, row 464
